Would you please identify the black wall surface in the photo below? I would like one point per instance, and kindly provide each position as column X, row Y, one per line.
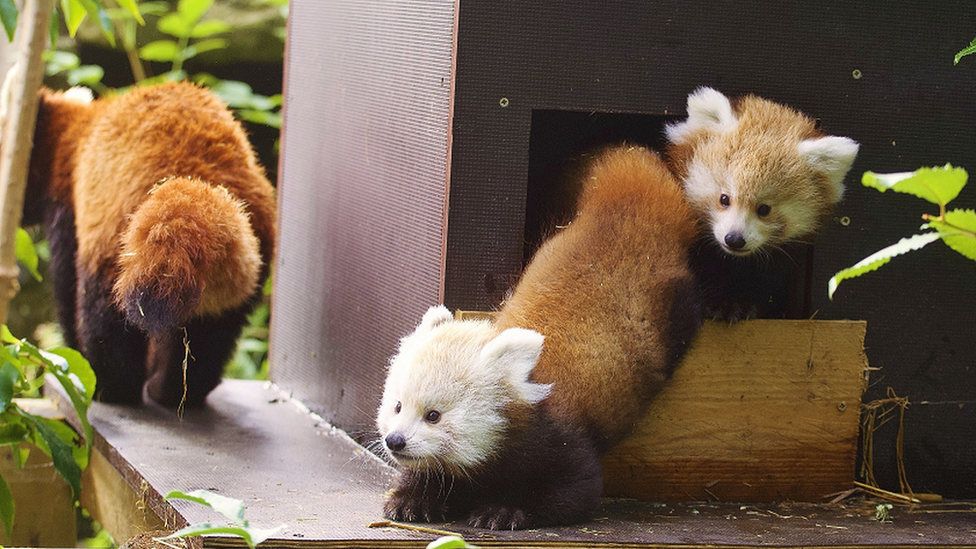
column 878, row 72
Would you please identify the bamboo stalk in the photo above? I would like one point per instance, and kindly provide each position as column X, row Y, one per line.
column 17, row 136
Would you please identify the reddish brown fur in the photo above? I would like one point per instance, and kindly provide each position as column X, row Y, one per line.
column 606, row 293
column 159, row 210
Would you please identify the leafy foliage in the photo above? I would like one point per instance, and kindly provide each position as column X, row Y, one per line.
column 23, row 371
column 231, row 508
column 957, row 228
column 971, row 48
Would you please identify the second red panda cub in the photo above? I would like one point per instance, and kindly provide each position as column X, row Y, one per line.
column 760, row 176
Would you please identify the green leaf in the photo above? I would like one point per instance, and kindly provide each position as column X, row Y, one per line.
column 101, row 18
column 9, row 376
column 6, row 336
column 57, row 443
column 204, row 29
column 26, row 253
column 231, row 508
column 86, row 75
column 965, row 51
column 74, row 13
column 958, row 231
column 132, row 7
column 175, row 24
column 8, row 15
column 879, row 258
column 937, row 185
column 450, row 542
column 13, row 431
column 204, row 46
column 6, row 507
column 59, row 61
column 251, row 536
column 271, row 119
column 193, row 10
column 161, row 50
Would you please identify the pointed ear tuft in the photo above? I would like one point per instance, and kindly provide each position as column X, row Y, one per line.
column 515, row 352
column 708, row 110
column 830, row 155
column 435, row 316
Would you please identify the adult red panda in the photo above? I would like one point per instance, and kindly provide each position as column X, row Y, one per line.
column 502, row 423
column 161, row 226
column 760, row 176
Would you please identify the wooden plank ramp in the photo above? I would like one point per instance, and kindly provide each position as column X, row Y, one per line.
column 255, row 444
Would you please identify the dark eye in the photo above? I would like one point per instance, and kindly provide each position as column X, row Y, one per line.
column 397, row 408
column 432, row 416
column 725, row 200
column 763, row 210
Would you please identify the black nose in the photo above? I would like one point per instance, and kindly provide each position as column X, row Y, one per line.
column 735, row 241
column 395, row 442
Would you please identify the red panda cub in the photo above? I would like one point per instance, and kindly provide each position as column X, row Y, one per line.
column 761, row 177
column 161, row 224
column 503, row 423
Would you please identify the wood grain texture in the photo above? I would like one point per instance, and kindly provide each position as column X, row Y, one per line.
column 758, row 411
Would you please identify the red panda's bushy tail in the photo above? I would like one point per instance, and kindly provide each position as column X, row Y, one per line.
column 188, row 250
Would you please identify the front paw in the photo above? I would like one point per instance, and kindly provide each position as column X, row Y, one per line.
column 732, row 310
column 496, row 517
column 404, row 508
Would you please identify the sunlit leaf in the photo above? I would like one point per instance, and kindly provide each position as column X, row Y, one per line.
column 6, row 336
column 161, row 50
column 132, row 7
column 193, row 10
column 251, row 536
column 8, row 15
column 231, row 508
column 26, row 253
column 965, row 51
column 74, row 13
column 958, row 231
column 86, row 75
column 9, row 375
column 450, row 542
column 175, row 24
column 937, row 185
column 59, row 61
column 101, row 18
column 879, row 258
column 204, row 46
column 204, row 29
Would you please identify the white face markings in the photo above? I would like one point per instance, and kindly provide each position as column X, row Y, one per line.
column 448, row 389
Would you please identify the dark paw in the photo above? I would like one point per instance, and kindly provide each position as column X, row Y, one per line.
column 403, row 508
column 499, row 518
column 732, row 311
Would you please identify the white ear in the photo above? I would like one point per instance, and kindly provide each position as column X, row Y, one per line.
column 709, row 110
column 435, row 316
column 831, row 155
column 516, row 351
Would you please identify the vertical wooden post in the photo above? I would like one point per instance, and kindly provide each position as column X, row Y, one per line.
column 16, row 139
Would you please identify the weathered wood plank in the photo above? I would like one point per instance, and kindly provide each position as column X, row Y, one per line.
column 758, row 411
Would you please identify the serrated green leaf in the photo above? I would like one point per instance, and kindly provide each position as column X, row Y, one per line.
column 251, row 536
column 193, row 10
column 958, row 231
column 204, row 29
column 57, row 441
column 9, row 376
column 879, row 258
column 6, row 507
column 8, row 15
column 937, row 185
column 164, row 51
column 74, row 13
column 231, row 508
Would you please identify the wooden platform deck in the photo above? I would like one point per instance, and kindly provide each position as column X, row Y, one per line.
column 255, row 444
